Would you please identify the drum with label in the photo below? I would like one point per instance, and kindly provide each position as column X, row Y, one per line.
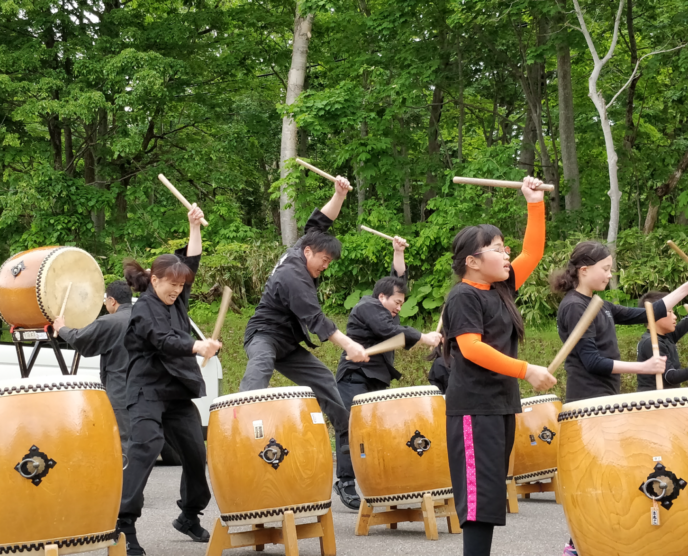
column 623, row 467
column 269, row 451
column 60, row 465
column 398, row 442
column 537, row 440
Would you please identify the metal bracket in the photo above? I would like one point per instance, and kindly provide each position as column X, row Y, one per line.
column 40, row 336
column 547, row 435
column 419, row 443
column 670, row 486
column 16, row 269
column 35, row 465
column 273, row 453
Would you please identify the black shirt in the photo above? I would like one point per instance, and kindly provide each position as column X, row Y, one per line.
column 289, row 306
column 589, row 366
column 162, row 364
column 674, row 374
column 475, row 390
column 439, row 374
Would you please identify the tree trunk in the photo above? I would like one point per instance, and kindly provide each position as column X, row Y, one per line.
column 297, row 76
column 631, row 131
column 433, row 147
column 662, row 191
column 526, row 159
column 360, row 179
column 462, row 108
column 55, row 134
column 97, row 146
column 69, row 151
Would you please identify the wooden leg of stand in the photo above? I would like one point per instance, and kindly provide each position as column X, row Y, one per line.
column 391, row 525
column 119, row 548
column 51, row 550
column 291, row 545
column 555, row 486
column 259, row 547
column 453, row 519
column 511, row 497
column 362, row 523
column 429, row 518
column 328, row 545
column 526, row 496
column 218, row 540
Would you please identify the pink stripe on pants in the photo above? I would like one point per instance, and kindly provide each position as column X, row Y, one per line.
column 471, row 484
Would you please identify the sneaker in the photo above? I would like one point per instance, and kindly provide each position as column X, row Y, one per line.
column 191, row 527
column 347, row 493
column 570, row 550
column 128, row 527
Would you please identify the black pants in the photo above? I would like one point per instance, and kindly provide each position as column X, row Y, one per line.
column 122, row 416
column 152, row 423
column 349, row 386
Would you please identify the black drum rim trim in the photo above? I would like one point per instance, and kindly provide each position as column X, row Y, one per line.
column 535, row 474
column 66, row 542
column 438, row 493
column 39, row 275
column 274, row 512
column 548, row 399
column 261, row 398
column 52, row 387
column 643, row 405
column 394, row 397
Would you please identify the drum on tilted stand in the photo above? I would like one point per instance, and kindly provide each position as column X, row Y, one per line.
column 270, row 460
column 398, row 442
column 60, row 467
column 623, row 466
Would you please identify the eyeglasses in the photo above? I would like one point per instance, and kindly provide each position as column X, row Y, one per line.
column 504, row 249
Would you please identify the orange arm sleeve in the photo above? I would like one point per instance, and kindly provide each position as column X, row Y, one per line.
column 474, row 349
column 533, row 244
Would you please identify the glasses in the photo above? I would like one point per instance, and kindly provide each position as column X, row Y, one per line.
column 502, row 250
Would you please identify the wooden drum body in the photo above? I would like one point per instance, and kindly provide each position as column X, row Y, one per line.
column 60, row 465
column 537, row 439
column 269, row 451
column 609, row 449
column 398, row 442
column 33, row 285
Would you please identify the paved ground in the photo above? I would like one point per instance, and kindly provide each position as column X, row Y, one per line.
column 539, row 529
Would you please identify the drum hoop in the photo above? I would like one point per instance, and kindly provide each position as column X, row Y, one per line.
column 409, row 497
column 543, row 399
column 535, row 475
column 273, row 514
column 392, row 395
column 68, row 542
column 649, row 405
column 1, row 268
column 52, row 387
column 39, row 276
column 216, row 405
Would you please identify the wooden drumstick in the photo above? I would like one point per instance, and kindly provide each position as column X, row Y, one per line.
column 318, row 171
column 224, row 307
column 586, row 319
column 500, row 183
column 653, row 337
column 679, row 252
column 390, row 238
column 64, row 305
column 396, row 342
column 178, row 195
column 439, row 324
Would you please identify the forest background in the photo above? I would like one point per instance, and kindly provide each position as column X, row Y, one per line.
column 99, row 97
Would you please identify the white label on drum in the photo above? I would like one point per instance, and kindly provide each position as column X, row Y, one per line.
column 527, row 409
column 318, row 418
column 654, row 516
column 657, row 458
column 258, row 430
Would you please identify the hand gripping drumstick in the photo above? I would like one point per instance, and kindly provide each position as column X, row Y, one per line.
column 396, row 342
column 178, row 195
column 318, row 171
column 64, row 305
column 586, row 319
column 390, row 238
column 500, row 183
column 653, row 337
column 224, row 307
column 678, row 250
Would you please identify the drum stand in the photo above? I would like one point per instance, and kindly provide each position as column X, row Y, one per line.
column 117, row 549
column 514, row 489
column 428, row 513
column 288, row 535
column 40, row 336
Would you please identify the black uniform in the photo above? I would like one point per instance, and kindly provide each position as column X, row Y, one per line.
column 674, row 374
column 105, row 337
column 163, row 378
column 589, row 366
column 439, row 374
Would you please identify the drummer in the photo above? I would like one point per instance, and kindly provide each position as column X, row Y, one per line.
column 105, row 337
column 374, row 319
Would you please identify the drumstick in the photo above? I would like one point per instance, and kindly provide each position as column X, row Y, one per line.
column 318, row 171
column 178, row 195
column 586, row 318
column 64, row 305
column 679, row 252
column 653, row 337
column 224, row 307
column 396, row 342
column 439, row 324
column 500, row 183
column 390, row 238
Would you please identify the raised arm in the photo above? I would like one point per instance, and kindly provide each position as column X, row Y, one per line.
column 534, row 240
column 195, row 246
column 398, row 263
column 334, row 205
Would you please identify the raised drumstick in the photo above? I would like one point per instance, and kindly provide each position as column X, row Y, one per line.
column 679, row 252
column 390, row 238
column 396, row 342
column 318, row 171
column 586, row 319
column 224, row 307
column 653, row 337
column 500, row 183
column 178, row 195
column 64, row 305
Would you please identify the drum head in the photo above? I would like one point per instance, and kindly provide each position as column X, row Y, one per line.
column 65, row 265
column 262, row 395
column 396, row 394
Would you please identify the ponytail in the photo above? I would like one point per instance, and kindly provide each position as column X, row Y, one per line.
column 586, row 253
column 165, row 266
column 135, row 275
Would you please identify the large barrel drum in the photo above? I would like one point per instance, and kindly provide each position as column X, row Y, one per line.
column 33, row 285
column 269, row 451
column 614, row 450
column 398, row 442
column 536, row 441
column 60, row 465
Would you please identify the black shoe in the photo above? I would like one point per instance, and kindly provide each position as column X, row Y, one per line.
column 128, row 527
column 191, row 527
column 347, row 493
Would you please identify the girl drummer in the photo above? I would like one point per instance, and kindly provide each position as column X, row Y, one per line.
column 483, row 328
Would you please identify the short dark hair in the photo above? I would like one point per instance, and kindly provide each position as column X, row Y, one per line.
column 165, row 266
column 119, row 291
column 651, row 296
column 319, row 242
column 388, row 286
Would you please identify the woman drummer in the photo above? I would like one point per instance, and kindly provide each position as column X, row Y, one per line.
column 163, row 379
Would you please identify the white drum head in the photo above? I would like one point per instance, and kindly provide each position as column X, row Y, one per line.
column 548, row 398
column 49, row 384
column 625, row 403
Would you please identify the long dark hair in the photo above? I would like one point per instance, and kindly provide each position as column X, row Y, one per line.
column 586, row 253
column 469, row 241
column 165, row 266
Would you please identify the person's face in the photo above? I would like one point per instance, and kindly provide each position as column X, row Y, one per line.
column 492, row 261
column 316, row 263
column 166, row 289
column 110, row 305
column 668, row 324
column 597, row 276
column 393, row 303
